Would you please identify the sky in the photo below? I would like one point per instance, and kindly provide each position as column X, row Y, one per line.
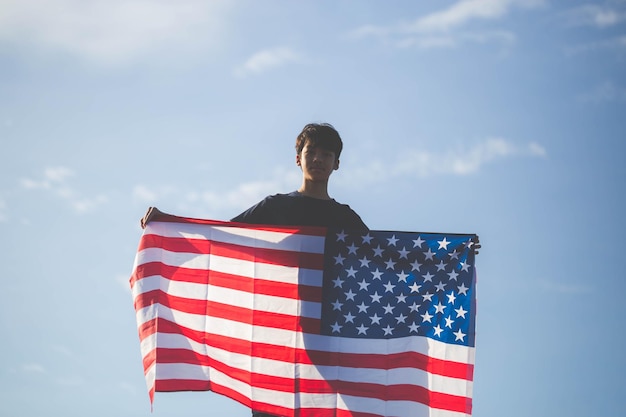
column 505, row 118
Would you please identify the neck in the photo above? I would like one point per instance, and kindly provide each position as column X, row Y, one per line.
column 315, row 190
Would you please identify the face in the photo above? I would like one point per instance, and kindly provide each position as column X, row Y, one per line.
column 317, row 163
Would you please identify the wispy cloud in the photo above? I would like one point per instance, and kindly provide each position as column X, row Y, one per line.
column 564, row 288
column 109, row 32
column 598, row 15
column 33, row 368
column 423, row 163
column 603, row 92
column 448, row 27
column 55, row 180
column 266, row 60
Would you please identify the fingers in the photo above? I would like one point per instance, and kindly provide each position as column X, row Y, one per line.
column 147, row 217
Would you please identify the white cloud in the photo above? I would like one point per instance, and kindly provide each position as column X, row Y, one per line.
column 55, row 181
column 446, row 28
column 422, row 163
column 564, row 288
column 266, row 60
column 109, row 31
column 600, row 16
column 604, row 92
column 33, row 368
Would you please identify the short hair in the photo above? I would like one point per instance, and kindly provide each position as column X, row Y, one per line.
column 322, row 135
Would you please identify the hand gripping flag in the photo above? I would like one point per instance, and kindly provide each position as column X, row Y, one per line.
column 303, row 321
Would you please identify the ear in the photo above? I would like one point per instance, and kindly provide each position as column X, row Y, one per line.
column 336, row 165
column 298, row 162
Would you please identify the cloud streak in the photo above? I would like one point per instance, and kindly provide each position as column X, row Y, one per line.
column 109, row 32
column 424, row 164
column 447, row 27
column 266, row 60
column 55, row 180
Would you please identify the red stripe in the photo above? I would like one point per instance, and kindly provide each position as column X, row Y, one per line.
column 229, row 250
column 313, row 357
column 235, row 282
column 227, row 311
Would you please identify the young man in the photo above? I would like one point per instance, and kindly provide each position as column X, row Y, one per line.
column 318, row 148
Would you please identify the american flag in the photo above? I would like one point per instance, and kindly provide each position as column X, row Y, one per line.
column 303, row 321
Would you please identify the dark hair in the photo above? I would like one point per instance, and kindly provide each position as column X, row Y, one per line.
column 322, row 135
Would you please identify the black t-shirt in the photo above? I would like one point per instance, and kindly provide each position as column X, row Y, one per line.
column 295, row 209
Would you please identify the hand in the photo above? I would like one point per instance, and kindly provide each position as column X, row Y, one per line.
column 476, row 245
column 150, row 214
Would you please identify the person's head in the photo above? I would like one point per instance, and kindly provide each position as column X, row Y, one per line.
column 319, row 135
column 318, row 147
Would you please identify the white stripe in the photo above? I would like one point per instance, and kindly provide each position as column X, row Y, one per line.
column 433, row 382
column 244, row 236
column 233, row 266
column 279, row 337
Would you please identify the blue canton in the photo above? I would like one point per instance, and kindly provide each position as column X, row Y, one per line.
column 383, row 285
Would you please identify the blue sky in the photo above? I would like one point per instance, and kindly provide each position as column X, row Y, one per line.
column 505, row 118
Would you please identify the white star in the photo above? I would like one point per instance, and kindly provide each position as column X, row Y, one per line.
column 401, row 298
column 403, row 253
column 415, row 287
column 362, row 307
column 429, row 255
column 378, row 251
column 417, row 243
column 336, row 327
column 465, row 267
column 337, row 305
column 389, row 287
column 441, row 286
column 416, row 266
column 363, row 285
column 390, row 264
column 401, row 318
column 375, row 319
column 426, row 317
column 415, row 306
column 439, row 308
column 349, row 317
column 443, row 244
column 339, row 260
column 352, row 249
column 350, row 295
column 441, row 266
column 351, row 272
column 459, row 335
column 455, row 254
column 462, row 289
column 375, row 297
column 449, row 322
column 438, row 330
column 428, row 296
column 413, row 327
column 460, row 312
column 451, row 297
column 428, row 277
column 365, row 262
column 362, row 329
column 338, row 282
column 367, row 238
column 453, row 275
column 402, row 276
column 388, row 309
column 388, row 330
column 341, row 236
column 392, row 240
column 377, row 274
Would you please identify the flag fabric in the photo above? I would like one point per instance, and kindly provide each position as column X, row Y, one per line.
column 307, row 321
